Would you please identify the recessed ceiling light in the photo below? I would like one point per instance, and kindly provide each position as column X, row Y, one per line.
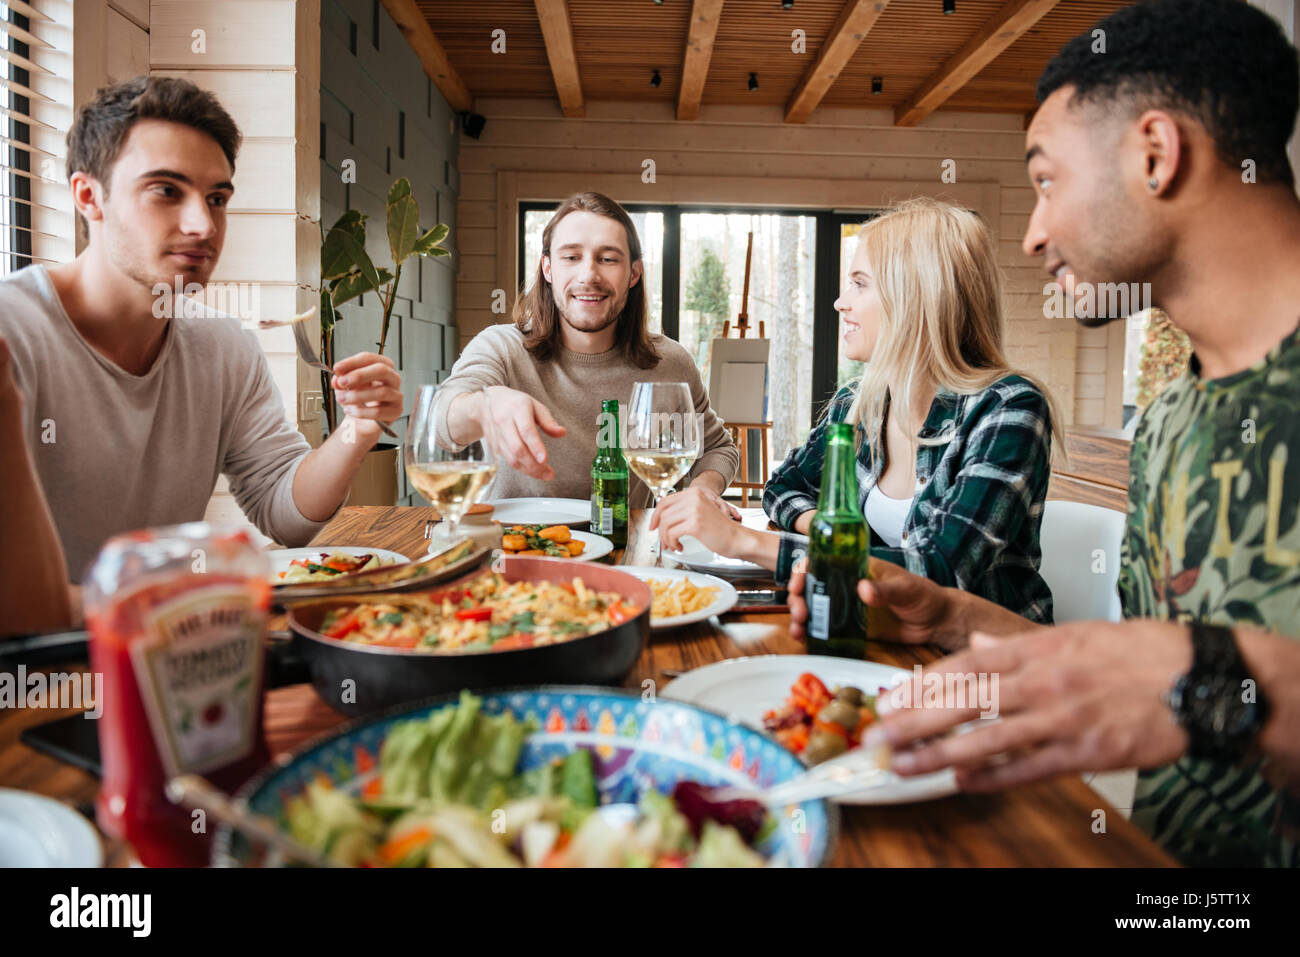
column 656, row 80
column 877, row 85
column 753, row 82
column 949, row 7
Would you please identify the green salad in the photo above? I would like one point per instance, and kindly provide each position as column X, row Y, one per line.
column 447, row 794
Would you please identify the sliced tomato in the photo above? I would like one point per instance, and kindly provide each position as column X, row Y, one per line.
column 474, row 614
column 520, row 639
column 619, row 613
column 344, row 626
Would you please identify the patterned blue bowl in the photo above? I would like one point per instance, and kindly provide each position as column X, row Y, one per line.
column 636, row 744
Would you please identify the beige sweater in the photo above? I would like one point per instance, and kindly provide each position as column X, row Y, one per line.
column 572, row 386
column 117, row 452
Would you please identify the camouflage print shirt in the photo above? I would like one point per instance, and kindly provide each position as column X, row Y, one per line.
column 1213, row 536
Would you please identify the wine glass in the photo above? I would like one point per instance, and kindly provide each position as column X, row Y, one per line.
column 451, row 479
column 663, row 436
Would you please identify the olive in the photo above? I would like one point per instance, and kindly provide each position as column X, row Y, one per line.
column 823, row 746
column 850, row 694
column 840, row 712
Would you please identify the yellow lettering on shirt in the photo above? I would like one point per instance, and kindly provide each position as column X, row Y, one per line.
column 1225, row 472
column 1272, row 552
column 1175, row 520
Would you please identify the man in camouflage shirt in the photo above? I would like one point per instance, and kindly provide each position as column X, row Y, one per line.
column 1161, row 160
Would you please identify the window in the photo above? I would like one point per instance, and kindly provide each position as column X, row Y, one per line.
column 36, row 220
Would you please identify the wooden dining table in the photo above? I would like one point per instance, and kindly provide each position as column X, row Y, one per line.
column 1052, row 823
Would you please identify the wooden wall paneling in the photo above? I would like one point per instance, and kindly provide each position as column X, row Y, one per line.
column 254, row 34
column 411, row 22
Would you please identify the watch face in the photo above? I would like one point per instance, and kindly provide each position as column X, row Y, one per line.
column 1216, row 706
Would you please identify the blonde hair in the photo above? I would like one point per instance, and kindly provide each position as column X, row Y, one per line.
column 935, row 269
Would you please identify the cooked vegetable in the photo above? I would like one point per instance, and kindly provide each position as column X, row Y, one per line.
column 819, row 724
column 491, row 614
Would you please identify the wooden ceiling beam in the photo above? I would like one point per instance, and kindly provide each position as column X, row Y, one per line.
column 557, row 31
column 432, row 56
column 855, row 22
column 1003, row 29
column 705, row 15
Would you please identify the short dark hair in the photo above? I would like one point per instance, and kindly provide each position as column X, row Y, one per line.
column 103, row 124
column 1223, row 63
column 537, row 316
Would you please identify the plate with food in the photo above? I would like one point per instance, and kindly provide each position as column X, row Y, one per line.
column 553, row 541
column 681, row 598
column 296, row 566
column 807, row 703
column 693, row 554
column 543, row 511
column 524, row 620
column 551, row 776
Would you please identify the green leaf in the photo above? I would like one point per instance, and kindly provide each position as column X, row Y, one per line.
column 336, row 257
column 354, row 284
column 361, row 258
column 403, row 226
column 431, row 240
column 437, row 251
column 400, row 188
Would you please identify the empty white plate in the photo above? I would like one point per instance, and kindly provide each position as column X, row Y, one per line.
column 36, row 831
column 540, row 511
column 747, row 688
column 694, row 555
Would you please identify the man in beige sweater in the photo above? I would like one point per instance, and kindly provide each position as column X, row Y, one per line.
column 579, row 335
column 130, row 416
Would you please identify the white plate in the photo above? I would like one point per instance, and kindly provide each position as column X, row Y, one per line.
column 725, row 600
column 36, row 831
column 747, row 688
column 282, row 558
column 694, row 555
column 540, row 511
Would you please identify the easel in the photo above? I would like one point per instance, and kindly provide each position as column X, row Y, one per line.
column 740, row 430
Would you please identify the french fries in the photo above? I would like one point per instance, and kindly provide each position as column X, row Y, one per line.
column 678, row 597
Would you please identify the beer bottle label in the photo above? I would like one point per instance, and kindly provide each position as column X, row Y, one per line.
column 606, row 521
column 819, row 608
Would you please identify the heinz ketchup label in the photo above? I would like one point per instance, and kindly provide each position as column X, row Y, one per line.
column 197, row 666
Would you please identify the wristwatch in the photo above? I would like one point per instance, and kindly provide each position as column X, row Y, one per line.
column 1218, row 702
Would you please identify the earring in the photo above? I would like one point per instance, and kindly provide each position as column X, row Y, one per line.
column 1153, row 183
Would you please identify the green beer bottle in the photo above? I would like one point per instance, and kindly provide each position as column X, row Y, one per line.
column 609, row 478
column 838, row 546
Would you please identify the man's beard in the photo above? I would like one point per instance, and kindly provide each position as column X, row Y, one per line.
column 598, row 324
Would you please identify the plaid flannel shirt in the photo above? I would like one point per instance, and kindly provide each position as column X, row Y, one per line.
column 978, row 506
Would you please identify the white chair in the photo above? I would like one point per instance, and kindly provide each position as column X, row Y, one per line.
column 1080, row 545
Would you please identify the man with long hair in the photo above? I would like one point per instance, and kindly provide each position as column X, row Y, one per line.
column 579, row 335
column 1162, row 160
column 133, row 405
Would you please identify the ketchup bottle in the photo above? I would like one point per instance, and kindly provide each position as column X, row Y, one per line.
column 177, row 620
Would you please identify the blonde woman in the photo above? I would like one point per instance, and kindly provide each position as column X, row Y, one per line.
column 954, row 447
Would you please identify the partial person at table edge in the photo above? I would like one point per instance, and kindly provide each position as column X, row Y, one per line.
column 136, row 398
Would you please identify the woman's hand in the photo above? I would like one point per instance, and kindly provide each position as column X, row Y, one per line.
column 699, row 512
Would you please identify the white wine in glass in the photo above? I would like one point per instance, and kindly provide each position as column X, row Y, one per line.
column 663, row 435
column 451, row 479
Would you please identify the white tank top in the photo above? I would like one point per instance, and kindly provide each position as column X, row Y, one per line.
column 886, row 515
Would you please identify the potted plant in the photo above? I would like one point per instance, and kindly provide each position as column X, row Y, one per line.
column 347, row 272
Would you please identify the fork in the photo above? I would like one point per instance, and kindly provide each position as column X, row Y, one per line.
column 306, row 352
column 855, row 770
